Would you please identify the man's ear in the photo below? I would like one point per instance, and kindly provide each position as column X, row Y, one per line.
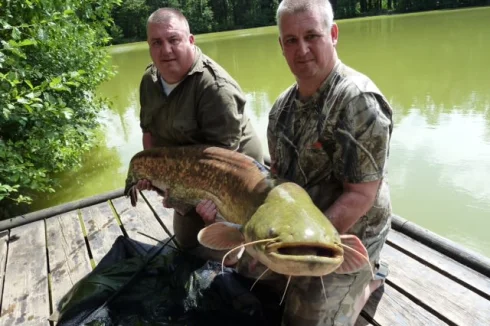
column 334, row 33
column 191, row 39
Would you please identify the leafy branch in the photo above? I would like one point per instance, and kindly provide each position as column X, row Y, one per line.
column 52, row 59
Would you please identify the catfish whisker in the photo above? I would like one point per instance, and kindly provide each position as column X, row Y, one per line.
column 324, row 291
column 242, row 246
column 259, row 278
column 364, row 257
column 285, row 290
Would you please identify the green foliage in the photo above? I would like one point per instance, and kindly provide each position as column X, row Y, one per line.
column 203, row 15
column 51, row 61
column 200, row 16
column 255, row 13
column 130, row 18
column 219, row 15
column 423, row 5
column 130, row 21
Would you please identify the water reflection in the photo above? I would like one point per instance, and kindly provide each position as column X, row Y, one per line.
column 437, row 175
column 433, row 69
column 440, row 55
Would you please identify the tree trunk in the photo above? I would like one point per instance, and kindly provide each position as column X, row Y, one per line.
column 363, row 6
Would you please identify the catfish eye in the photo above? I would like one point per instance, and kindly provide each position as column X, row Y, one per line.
column 272, row 233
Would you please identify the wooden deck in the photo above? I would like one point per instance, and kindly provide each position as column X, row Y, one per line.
column 41, row 260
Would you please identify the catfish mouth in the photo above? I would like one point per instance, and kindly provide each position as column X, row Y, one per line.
column 305, row 251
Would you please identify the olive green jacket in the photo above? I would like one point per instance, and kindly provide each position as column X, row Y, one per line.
column 206, row 107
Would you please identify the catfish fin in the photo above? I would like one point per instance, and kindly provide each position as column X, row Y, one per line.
column 221, row 236
column 355, row 255
column 133, row 195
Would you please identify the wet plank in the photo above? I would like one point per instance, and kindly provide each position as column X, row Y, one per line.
column 441, row 262
column 139, row 222
column 4, row 236
column 434, row 291
column 102, row 229
column 68, row 255
column 25, row 297
column 389, row 307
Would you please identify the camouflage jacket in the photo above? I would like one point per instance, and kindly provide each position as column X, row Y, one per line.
column 340, row 134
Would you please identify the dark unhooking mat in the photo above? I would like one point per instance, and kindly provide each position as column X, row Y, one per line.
column 171, row 288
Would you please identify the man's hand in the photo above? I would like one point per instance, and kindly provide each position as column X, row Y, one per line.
column 144, row 184
column 208, row 210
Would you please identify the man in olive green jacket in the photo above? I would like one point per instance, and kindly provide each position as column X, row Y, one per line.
column 186, row 98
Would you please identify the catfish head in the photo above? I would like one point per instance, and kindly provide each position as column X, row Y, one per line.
column 290, row 236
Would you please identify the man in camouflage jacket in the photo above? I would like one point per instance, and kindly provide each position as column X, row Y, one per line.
column 330, row 133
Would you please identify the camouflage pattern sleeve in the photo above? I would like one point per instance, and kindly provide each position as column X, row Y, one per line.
column 362, row 136
column 220, row 114
column 271, row 141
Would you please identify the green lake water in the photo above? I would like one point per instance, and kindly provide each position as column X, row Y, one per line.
column 433, row 67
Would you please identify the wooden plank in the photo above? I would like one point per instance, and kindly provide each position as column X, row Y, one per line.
column 435, row 292
column 4, row 237
column 139, row 222
column 166, row 215
column 361, row 321
column 102, row 229
column 25, row 297
column 452, row 249
column 57, row 210
column 389, row 307
column 464, row 274
column 68, row 255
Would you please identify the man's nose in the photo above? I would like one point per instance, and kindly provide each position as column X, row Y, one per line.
column 303, row 47
column 166, row 48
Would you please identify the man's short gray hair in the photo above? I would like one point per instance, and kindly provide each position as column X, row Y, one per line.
column 297, row 6
column 164, row 15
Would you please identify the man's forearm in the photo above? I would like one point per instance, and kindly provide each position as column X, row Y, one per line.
column 355, row 201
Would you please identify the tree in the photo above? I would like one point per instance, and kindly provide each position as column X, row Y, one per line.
column 130, row 17
column 199, row 15
column 51, row 62
column 223, row 13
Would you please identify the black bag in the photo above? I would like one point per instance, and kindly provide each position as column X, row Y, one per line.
column 172, row 288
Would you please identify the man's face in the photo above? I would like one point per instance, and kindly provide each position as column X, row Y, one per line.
column 309, row 48
column 171, row 49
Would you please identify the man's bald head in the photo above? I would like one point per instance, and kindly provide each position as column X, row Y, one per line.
column 165, row 15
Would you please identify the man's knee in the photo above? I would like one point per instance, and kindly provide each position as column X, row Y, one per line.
column 186, row 228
